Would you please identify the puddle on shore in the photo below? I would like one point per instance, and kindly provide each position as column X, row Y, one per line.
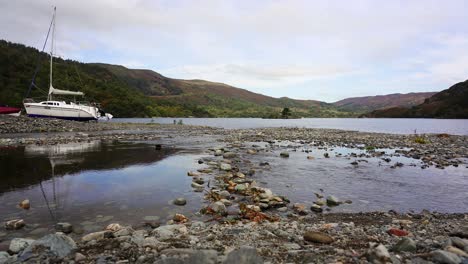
column 93, row 184
column 372, row 185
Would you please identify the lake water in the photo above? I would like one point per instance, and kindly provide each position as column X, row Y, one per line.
column 381, row 125
column 95, row 183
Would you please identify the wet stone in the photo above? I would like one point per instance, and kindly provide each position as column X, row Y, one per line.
column 180, row 201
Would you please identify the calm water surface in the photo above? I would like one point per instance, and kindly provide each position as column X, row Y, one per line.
column 381, row 125
column 93, row 184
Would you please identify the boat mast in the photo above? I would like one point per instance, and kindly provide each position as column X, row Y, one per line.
column 52, row 55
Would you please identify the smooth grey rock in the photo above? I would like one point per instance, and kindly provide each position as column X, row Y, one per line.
column 218, row 207
column 444, row 257
column 170, row 261
column 203, row 257
column 19, row 244
column 4, row 256
column 225, row 167
column 405, row 244
column 58, row 244
column 458, row 242
column 332, row 201
column 180, row 201
column 243, row 256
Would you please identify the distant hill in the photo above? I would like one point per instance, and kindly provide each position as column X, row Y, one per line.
column 369, row 103
column 138, row 93
column 450, row 103
column 144, row 93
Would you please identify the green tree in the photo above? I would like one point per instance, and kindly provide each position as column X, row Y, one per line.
column 285, row 113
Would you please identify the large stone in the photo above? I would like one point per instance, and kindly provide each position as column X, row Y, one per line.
column 318, row 237
column 58, row 244
column 445, row 257
column 405, row 244
column 243, row 256
column 19, row 244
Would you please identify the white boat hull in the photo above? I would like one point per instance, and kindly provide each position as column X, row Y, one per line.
column 65, row 111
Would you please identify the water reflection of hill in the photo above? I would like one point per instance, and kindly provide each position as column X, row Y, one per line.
column 26, row 166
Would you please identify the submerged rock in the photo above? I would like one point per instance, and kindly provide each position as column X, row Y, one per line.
column 284, row 154
column 332, row 201
column 180, row 201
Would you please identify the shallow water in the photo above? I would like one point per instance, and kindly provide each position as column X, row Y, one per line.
column 93, row 184
column 380, row 125
column 372, row 185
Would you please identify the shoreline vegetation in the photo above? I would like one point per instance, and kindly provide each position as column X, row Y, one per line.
column 246, row 223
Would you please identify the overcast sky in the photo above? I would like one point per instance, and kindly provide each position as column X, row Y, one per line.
column 324, row 50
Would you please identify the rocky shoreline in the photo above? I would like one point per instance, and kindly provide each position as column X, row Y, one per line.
column 247, row 223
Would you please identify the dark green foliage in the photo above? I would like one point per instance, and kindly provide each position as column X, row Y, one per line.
column 143, row 93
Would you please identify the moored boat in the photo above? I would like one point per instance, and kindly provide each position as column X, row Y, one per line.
column 71, row 110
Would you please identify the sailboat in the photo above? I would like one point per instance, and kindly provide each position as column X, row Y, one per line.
column 79, row 111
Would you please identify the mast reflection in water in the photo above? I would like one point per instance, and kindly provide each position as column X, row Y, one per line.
column 83, row 182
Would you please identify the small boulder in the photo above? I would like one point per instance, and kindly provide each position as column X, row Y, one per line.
column 406, row 244
column 25, row 204
column 316, row 208
column 58, row 244
column 64, row 228
column 332, row 201
column 445, row 257
column 225, row 167
column 284, row 154
column 378, row 254
column 15, row 224
column 19, row 244
column 180, row 218
column 218, row 208
column 180, row 201
column 318, row 237
column 229, row 155
column 243, row 256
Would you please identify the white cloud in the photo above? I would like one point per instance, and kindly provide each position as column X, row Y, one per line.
column 259, row 44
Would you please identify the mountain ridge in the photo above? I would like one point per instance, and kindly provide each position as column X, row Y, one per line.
column 142, row 92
